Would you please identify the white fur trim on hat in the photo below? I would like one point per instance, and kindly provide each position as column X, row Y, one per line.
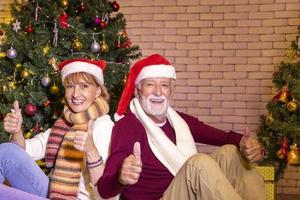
column 155, row 71
column 79, row 66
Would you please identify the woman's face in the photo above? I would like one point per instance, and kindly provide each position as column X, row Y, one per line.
column 80, row 94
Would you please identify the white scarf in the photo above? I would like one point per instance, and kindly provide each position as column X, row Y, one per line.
column 170, row 155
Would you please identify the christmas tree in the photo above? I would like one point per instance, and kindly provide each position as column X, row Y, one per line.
column 44, row 32
column 279, row 130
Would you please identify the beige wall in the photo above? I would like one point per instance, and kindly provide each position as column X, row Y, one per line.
column 224, row 52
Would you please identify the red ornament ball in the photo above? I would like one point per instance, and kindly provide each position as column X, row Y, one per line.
column 30, row 109
column 103, row 24
column 115, row 6
column 29, row 29
column 82, row 7
column 1, row 32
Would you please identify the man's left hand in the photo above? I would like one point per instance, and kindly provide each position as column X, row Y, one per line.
column 250, row 147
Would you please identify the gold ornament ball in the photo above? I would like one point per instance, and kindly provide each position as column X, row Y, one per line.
column 2, row 54
column 77, row 45
column 4, row 88
column 280, row 154
column 25, row 74
column 293, row 155
column 12, row 85
column 269, row 119
column 104, row 47
column 54, row 89
column 28, row 135
column 46, row 49
column 64, row 3
column 292, row 106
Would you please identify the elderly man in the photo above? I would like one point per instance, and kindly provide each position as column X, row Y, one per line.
column 154, row 155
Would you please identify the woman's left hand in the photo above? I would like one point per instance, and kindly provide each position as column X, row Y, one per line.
column 83, row 141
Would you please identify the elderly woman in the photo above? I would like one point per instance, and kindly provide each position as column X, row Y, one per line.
column 75, row 148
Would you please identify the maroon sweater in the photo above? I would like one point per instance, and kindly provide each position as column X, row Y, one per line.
column 155, row 177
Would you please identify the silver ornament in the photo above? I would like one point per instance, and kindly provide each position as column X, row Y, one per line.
column 11, row 53
column 46, row 81
column 95, row 47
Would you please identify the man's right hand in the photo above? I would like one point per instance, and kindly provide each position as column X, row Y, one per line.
column 13, row 120
column 131, row 167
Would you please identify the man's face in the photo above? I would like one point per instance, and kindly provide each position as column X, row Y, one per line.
column 154, row 95
column 81, row 95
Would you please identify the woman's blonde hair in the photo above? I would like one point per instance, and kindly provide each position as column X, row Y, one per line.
column 76, row 77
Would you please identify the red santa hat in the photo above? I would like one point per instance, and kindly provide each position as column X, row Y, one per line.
column 93, row 67
column 153, row 66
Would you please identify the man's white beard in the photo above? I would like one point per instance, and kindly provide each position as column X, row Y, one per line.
column 153, row 109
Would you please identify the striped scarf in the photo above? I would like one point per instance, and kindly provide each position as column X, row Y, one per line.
column 61, row 154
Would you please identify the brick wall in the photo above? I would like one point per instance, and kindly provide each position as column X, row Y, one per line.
column 224, row 52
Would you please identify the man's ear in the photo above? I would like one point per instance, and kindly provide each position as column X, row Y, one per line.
column 136, row 92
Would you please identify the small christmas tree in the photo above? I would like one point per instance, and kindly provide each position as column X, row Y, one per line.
column 45, row 32
column 279, row 130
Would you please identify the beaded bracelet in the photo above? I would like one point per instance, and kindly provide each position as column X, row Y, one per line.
column 95, row 164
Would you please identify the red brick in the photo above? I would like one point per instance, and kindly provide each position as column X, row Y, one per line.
column 221, row 68
column 246, row 8
column 223, row 53
column 200, row 24
column 247, row 97
column 211, row 75
column 222, row 97
column 222, row 9
column 286, row 29
column 234, row 90
column 189, row 31
column 211, row 2
column 261, row 30
column 198, row 82
column 210, row 60
column 249, row 23
column 164, row 17
column 222, row 38
column 247, row 53
column 150, row 9
column 235, row 75
column 235, row 2
column 234, row 60
column 209, row 90
column 199, row 53
column 286, row 14
column 197, row 9
column 260, row 45
column 201, row 97
column 236, row 45
column 189, row 17
column 237, row 30
column 292, row 6
column 234, row 15
column 199, row 67
column 246, row 68
column 221, row 111
column 274, row 22
column 236, row 104
column 246, row 38
column 272, row 7
column 222, row 83
column 211, row 16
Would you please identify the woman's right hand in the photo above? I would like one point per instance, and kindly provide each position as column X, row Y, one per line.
column 13, row 120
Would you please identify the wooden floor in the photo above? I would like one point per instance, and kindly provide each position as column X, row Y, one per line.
column 287, row 197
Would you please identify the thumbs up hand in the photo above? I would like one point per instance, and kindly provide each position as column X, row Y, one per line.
column 13, row 120
column 83, row 141
column 250, row 147
column 131, row 167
